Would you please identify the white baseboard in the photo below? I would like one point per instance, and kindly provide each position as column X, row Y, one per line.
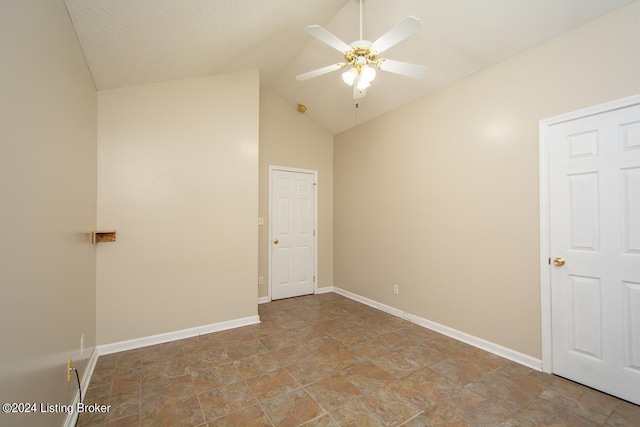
column 507, row 353
column 88, row 372
column 71, row 418
column 264, row 300
column 176, row 335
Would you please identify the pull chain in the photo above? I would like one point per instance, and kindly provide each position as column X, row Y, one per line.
column 357, row 105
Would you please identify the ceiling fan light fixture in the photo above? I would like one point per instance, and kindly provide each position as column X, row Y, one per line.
column 367, row 74
column 349, row 76
column 362, row 85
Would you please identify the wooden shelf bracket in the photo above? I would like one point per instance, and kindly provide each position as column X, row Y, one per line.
column 103, row 236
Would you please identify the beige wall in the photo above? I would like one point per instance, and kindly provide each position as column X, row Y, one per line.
column 289, row 138
column 178, row 180
column 441, row 195
column 48, row 187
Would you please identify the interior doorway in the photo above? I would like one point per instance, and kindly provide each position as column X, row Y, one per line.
column 292, row 232
column 590, row 246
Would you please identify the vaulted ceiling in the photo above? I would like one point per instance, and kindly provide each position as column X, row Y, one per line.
column 133, row 42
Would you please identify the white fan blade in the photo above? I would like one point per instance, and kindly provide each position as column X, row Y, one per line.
column 404, row 29
column 403, row 68
column 319, row 71
column 326, row 37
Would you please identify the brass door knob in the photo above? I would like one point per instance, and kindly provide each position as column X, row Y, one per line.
column 276, row 241
column 559, row 262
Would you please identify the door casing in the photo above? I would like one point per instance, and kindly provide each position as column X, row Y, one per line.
column 315, row 224
column 545, row 212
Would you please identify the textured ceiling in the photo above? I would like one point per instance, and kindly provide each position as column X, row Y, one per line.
column 133, row 42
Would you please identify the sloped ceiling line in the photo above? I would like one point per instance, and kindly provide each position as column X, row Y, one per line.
column 130, row 43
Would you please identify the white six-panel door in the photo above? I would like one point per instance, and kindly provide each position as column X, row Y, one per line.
column 594, row 201
column 292, row 233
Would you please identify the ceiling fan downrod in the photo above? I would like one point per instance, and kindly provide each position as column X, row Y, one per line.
column 360, row 19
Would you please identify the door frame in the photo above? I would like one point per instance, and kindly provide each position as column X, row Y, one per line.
column 545, row 213
column 273, row 168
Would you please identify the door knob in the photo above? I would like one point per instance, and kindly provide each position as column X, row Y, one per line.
column 276, row 241
column 559, row 262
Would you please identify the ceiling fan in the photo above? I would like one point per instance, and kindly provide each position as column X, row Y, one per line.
column 361, row 56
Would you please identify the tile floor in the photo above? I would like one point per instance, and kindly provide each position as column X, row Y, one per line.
column 325, row 360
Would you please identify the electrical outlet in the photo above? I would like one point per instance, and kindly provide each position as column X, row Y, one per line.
column 396, row 289
column 260, row 280
column 81, row 344
column 69, row 366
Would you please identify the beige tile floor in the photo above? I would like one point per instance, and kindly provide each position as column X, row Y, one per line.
column 324, row 360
